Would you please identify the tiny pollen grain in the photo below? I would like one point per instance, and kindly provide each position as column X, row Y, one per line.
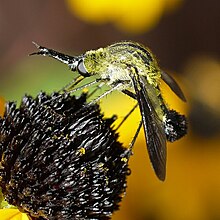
column 82, row 151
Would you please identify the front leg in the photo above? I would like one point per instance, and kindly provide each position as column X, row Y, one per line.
column 129, row 93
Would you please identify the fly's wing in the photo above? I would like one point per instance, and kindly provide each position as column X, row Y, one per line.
column 170, row 81
column 153, row 128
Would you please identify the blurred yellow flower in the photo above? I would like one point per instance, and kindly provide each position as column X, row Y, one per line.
column 130, row 16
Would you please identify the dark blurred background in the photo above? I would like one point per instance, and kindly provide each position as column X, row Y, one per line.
column 184, row 35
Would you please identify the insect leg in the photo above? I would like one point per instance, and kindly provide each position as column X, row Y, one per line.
column 83, row 86
column 96, row 89
column 129, row 93
column 105, row 93
column 73, row 83
column 67, row 89
column 126, row 116
column 128, row 152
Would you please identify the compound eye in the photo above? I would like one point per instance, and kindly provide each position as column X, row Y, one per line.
column 82, row 70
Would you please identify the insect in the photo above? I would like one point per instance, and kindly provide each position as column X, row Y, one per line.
column 132, row 68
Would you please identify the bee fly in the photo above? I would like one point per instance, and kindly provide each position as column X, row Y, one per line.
column 132, row 69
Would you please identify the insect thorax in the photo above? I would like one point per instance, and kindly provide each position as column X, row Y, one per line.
column 115, row 64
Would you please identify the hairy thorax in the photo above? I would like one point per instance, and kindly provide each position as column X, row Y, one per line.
column 116, row 67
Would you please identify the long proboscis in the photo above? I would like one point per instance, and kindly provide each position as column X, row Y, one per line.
column 71, row 61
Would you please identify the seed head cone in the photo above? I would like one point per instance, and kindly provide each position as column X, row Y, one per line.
column 59, row 159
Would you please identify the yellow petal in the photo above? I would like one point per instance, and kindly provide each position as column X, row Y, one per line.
column 12, row 214
column 2, row 106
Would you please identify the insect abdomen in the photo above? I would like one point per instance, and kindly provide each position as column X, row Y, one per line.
column 175, row 125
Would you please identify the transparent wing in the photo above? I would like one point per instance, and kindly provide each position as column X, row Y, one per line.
column 153, row 128
column 170, row 81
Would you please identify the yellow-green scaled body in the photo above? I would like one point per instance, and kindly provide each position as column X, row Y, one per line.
column 116, row 62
